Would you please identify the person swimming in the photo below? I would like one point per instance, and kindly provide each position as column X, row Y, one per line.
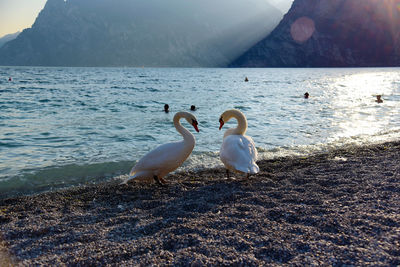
column 166, row 108
column 9, row 79
column 379, row 99
column 306, row 95
column 246, row 79
column 192, row 107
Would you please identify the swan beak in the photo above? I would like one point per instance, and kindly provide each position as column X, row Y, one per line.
column 221, row 123
column 194, row 124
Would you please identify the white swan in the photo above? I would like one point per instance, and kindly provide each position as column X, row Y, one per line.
column 168, row 157
column 238, row 152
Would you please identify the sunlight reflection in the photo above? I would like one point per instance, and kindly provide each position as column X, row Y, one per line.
column 355, row 107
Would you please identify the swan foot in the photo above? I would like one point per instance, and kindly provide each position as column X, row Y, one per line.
column 228, row 176
column 160, row 180
column 247, row 178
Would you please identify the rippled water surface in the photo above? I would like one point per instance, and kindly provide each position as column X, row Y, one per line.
column 65, row 126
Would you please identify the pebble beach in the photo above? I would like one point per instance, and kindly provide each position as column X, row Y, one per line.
column 334, row 208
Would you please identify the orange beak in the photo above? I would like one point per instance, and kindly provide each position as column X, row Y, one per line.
column 195, row 127
column 221, row 123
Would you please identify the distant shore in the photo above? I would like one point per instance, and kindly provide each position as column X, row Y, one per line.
column 335, row 208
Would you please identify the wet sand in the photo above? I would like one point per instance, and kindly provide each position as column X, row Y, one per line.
column 336, row 208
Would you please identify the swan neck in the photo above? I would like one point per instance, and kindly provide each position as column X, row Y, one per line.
column 187, row 136
column 242, row 123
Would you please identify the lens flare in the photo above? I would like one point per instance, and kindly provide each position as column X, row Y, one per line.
column 302, row 29
column 398, row 7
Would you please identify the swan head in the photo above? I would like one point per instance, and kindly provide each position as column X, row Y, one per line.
column 229, row 114
column 189, row 117
column 194, row 124
column 221, row 122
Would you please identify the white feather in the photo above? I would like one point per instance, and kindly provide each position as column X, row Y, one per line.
column 238, row 151
column 167, row 157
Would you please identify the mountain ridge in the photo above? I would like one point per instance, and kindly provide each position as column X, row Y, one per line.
column 331, row 33
column 135, row 33
column 8, row 37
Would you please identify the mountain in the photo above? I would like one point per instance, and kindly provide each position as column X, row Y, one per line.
column 8, row 37
column 331, row 33
column 154, row 33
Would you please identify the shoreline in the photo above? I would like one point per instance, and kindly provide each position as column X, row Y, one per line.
column 335, row 208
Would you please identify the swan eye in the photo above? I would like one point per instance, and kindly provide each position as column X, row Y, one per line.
column 194, row 122
column 221, row 120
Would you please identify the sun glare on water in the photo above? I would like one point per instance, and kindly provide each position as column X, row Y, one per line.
column 355, row 107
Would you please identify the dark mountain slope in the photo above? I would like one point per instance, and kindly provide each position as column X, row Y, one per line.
column 331, row 33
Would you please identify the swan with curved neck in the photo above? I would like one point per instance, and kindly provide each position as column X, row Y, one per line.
column 167, row 157
column 238, row 151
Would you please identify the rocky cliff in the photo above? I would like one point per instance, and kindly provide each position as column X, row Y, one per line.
column 331, row 33
column 141, row 33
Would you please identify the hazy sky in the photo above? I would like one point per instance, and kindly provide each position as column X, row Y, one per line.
column 16, row 15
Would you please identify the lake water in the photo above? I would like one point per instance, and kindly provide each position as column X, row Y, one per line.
column 70, row 126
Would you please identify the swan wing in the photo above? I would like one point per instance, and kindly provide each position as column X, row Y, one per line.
column 239, row 153
column 160, row 161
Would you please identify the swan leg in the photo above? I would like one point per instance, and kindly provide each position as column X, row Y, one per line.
column 162, row 181
column 247, row 176
column 227, row 173
column 159, row 180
